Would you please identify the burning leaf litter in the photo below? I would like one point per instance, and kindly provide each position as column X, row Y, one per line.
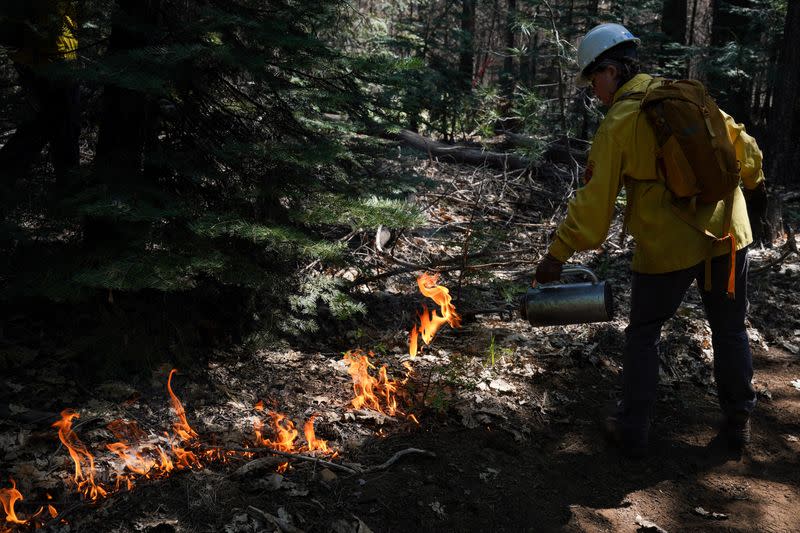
column 147, row 458
column 135, row 456
column 381, row 393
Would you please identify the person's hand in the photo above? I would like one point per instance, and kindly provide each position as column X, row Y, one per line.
column 548, row 269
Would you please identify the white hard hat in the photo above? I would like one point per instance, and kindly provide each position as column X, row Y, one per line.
column 598, row 40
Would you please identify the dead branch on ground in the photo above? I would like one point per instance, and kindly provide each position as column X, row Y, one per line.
column 352, row 469
column 393, row 459
column 290, row 456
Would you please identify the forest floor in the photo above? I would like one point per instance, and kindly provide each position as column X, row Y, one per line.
column 511, row 412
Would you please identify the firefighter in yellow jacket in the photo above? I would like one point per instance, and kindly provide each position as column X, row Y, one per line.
column 41, row 33
column 670, row 253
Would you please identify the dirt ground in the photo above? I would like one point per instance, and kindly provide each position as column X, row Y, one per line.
column 511, row 412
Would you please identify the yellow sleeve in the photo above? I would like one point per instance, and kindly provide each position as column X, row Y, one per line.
column 747, row 153
column 591, row 209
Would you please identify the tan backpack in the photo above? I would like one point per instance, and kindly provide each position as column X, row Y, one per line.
column 695, row 155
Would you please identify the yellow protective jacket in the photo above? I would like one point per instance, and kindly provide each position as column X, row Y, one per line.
column 49, row 33
column 624, row 154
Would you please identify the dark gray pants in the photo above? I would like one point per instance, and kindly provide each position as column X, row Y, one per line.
column 654, row 300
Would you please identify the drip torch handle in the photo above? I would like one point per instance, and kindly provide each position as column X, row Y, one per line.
column 573, row 269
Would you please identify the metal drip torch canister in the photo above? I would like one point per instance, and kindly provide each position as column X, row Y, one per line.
column 553, row 304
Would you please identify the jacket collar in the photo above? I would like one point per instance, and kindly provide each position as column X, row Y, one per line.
column 637, row 84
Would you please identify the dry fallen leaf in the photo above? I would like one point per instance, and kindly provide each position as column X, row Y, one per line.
column 501, row 385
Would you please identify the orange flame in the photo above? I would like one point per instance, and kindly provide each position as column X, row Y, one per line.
column 185, row 458
column 9, row 498
column 166, row 462
column 311, row 438
column 377, row 393
column 148, row 460
column 133, row 460
column 431, row 322
column 84, row 479
column 181, row 427
column 285, row 433
column 413, row 341
column 125, row 430
column 141, row 462
column 285, row 437
column 50, row 509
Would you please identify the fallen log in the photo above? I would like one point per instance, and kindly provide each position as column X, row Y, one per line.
column 464, row 154
column 563, row 150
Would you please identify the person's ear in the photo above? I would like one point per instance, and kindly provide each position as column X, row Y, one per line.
column 614, row 72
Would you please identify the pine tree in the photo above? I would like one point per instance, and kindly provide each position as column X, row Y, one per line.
column 216, row 180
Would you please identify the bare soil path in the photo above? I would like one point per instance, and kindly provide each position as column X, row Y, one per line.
column 566, row 478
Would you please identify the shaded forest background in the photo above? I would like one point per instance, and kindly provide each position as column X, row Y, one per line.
column 233, row 153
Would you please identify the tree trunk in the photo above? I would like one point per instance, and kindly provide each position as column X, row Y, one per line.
column 125, row 124
column 466, row 59
column 731, row 26
column 534, row 56
column 673, row 20
column 509, row 76
column 767, row 228
column 783, row 153
column 698, row 36
column 126, row 113
column 673, row 25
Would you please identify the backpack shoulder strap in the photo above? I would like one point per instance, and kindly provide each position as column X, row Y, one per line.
column 640, row 95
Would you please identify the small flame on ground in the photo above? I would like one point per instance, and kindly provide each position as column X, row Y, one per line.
column 125, row 430
column 431, row 321
column 285, row 437
column 377, row 393
column 133, row 460
column 83, row 459
column 380, row 393
column 149, row 460
column 283, row 428
column 413, row 342
column 146, row 460
column 9, row 498
column 311, row 438
column 181, row 427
